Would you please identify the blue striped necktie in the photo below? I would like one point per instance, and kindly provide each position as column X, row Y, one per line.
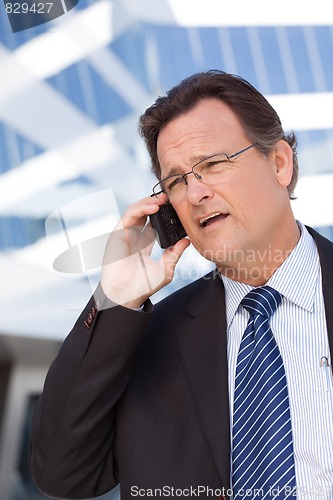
column 262, row 448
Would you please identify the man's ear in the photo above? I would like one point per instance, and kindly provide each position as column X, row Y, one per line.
column 283, row 156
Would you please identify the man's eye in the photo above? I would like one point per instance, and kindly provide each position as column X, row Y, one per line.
column 173, row 183
column 215, row 164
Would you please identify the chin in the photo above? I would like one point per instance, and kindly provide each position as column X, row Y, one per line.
column 215, row 253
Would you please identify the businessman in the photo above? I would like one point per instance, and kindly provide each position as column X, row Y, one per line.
column 224, row 388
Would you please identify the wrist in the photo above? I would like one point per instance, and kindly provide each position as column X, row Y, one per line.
column 120, row 297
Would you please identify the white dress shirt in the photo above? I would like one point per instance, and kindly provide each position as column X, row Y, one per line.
column 300, row 330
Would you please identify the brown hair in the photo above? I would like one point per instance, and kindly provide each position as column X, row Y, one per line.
column 260, row 121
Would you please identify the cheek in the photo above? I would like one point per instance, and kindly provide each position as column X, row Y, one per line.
column 255, row 194
column 184, row 217
column 192, row 232
column 249, row 213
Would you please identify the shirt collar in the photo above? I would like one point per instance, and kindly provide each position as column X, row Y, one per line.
column 294, row 279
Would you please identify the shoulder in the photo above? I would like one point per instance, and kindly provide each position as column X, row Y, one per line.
column 199, row 290
column 189, row 301
column 176, row 312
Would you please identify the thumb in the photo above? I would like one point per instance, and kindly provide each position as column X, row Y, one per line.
column 172, row 255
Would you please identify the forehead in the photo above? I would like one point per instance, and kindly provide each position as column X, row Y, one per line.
column 210, row 127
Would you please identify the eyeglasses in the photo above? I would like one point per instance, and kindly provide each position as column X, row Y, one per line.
column 208, row 171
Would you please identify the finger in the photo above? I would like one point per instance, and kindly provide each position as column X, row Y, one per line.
column 125, row 242
column 172, row 255
column 150, row 237
column 136, row 214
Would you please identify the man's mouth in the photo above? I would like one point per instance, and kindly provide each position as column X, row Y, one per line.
column 212, row 218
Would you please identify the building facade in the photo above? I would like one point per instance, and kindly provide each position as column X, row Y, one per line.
column 71, row 160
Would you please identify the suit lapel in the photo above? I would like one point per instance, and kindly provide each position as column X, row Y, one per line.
column 325, row 250
column 203, row 354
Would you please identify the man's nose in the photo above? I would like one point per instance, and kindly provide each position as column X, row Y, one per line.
column 197, row 190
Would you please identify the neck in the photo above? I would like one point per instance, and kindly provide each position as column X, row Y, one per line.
column 256, row 266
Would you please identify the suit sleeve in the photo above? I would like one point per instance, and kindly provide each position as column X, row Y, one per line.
column 73, row 452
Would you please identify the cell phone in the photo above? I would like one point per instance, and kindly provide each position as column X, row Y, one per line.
column 167, row 225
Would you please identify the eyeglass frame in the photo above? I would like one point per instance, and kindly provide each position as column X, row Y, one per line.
column 196, row 175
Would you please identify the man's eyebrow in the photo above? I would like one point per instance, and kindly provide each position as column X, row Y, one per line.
column 174, row 171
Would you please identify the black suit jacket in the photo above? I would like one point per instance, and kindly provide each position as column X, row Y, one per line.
column 142, row 398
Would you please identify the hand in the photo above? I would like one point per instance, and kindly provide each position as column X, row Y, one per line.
column 129, row 274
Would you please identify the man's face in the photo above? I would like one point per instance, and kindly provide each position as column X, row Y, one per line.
column 251, row 198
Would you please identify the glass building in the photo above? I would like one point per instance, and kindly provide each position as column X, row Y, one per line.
column 71, row 160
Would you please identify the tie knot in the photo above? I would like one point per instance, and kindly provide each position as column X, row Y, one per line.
column 263, row 301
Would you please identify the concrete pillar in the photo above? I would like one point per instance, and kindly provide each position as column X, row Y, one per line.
column 24, row 380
